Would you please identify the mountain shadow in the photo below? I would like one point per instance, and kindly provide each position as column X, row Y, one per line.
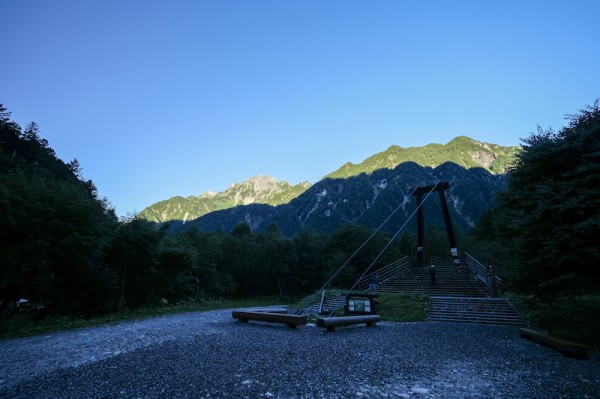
column 463, row 151
column 368, row 199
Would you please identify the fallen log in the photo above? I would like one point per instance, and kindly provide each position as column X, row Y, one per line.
column 291, row 320
column 566, row 347
column 332, row 322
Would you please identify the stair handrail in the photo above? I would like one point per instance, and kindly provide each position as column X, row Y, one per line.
column 480, row 270
column 386, row 272
column 477, row 268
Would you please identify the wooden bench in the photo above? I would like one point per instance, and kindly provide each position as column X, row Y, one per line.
column 332, row 322
column 291, row 320
column 568, row 348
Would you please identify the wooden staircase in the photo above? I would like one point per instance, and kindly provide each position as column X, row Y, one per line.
column 458, row 296
column 451, row 281
column 474, row 310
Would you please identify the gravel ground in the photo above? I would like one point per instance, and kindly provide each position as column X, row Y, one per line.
column 211, row 355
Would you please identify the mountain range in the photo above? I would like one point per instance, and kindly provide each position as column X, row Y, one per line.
column 256, row 190
column 364, row 193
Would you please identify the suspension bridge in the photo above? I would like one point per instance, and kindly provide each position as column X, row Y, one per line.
column 465, row 289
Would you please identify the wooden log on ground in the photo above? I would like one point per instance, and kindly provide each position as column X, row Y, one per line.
column 332, row 322
column 568, row 348
column 291, row 320
column 269, row 310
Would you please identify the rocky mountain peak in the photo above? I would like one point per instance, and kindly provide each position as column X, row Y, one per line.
column 262, row 189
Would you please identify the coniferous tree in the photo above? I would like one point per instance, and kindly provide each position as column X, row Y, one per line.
column 53, row 230
column 308, row 274
column 550, row 212
column 134, row 255
column 240, row 258
column 277, row 257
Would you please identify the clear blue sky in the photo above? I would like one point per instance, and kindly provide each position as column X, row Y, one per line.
column 164, row 98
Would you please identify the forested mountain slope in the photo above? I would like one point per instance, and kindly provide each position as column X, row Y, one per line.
column 462, row 151
column 368, row 199
column 259, row 189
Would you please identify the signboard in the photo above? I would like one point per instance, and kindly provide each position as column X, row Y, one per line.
column 357, row 304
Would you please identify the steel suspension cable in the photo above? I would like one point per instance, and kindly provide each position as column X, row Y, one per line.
column 392, row 239
column 356, row 252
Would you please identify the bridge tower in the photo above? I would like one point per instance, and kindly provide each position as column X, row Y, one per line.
column 441, row 189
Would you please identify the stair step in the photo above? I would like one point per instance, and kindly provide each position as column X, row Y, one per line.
column 480, row 321
column 474, row 310
column 476, row 314
column 451, row 281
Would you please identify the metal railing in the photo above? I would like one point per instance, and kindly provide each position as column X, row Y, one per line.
column 481, row 271
column 385, row 273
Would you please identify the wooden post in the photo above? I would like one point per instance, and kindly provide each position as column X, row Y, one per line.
column 322, row 302
column 491, row 275
column 419, row 192
column 420, row 232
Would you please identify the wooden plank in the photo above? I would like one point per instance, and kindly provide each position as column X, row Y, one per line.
column 291, row 320
column 332, row 322
column 568, row 348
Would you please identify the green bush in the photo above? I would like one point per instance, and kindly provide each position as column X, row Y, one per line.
column 576, row 318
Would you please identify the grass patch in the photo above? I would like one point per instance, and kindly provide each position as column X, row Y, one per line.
column 20, row 325
column 576, row 318
column 399, row 307
column 403, row 307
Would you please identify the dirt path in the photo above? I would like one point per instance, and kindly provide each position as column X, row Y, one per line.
column 26, row 358
column 210, row 355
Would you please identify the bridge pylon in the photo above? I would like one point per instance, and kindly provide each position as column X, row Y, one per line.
column 441, row 188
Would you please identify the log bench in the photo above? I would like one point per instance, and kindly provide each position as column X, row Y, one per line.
column 568, row 348
column 291, row 320
column 332, row 322
column 269, row 310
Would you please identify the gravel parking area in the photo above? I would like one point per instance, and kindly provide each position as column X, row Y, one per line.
column 211, row 355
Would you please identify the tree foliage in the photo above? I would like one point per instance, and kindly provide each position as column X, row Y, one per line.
column 549, row 213
column 63, row 251
column 53, row 228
